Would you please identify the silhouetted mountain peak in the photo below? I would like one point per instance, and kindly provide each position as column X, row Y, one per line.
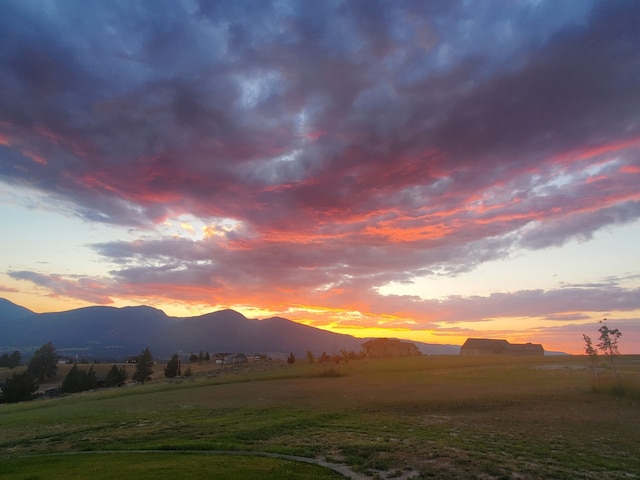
column 110, row 332
column 277, row 320
column 11, row 311
column 145, row 311
column 226, row 315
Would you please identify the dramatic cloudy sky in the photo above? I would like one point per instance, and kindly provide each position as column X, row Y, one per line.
column 431, row 170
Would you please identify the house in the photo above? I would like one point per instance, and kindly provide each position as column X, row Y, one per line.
column 230, row 358
column 389, row 347
column 235, row 358
column 62, row 360
column 488, row 346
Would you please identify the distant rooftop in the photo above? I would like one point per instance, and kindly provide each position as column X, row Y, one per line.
column 489, row 346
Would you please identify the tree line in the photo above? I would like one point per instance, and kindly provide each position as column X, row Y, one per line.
column 43, row 366
column 23, row 386
column 11, row 361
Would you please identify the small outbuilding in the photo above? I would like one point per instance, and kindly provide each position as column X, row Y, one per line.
column 489, row 346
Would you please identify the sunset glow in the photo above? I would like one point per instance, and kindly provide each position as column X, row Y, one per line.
column 421, row 170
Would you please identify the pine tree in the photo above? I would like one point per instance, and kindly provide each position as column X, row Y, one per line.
column 90, row 381
column 79, row 380
column 14, row 359
column 144, row 367
column 173, row 367
column 73, row 381
column 116, row 377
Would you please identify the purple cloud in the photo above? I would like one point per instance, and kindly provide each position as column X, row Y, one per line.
column 83, row 288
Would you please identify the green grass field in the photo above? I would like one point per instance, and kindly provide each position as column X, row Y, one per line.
column 426, row 417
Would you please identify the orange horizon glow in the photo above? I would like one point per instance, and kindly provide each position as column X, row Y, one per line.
column 325, row 318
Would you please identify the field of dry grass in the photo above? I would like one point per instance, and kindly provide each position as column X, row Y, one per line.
column 426, row 417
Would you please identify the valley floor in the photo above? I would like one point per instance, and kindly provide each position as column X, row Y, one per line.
column 422, row 417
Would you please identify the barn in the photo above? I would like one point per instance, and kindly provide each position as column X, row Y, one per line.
column 488, row 346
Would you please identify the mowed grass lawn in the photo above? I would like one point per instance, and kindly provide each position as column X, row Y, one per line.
column 425, row 417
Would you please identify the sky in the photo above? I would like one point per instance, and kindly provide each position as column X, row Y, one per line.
column 423, row 170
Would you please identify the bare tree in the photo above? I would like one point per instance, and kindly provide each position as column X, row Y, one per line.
column 609, row 345
column 593, row 356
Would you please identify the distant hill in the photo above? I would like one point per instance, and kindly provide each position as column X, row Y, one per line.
column 11, row 311
column 116, row 333
column 437, row 349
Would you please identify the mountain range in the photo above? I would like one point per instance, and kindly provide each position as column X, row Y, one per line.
column 115, row 333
